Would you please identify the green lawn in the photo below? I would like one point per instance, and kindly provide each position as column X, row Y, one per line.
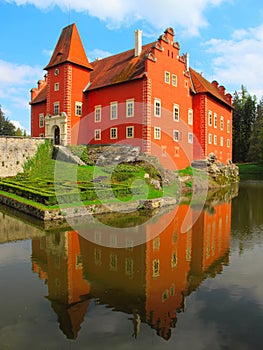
column 251, row 171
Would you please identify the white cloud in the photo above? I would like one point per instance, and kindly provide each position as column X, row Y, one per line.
column 188, row 14
column 239, row 60
column 98, row 53
column 15, row 74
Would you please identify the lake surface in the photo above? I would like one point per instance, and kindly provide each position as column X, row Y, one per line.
column 63, row 288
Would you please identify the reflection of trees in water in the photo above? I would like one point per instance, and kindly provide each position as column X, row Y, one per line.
column 247, row 212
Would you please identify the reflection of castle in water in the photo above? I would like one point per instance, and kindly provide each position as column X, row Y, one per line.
column 150, row 282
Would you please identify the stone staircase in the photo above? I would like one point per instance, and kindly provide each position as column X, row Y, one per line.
column 64, row 154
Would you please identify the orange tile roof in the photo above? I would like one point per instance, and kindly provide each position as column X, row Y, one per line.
column 118, row 68
column 201, row 85
column 41, row 96
column 69, row 48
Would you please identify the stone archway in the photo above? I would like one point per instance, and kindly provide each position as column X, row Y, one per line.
column 56, row 135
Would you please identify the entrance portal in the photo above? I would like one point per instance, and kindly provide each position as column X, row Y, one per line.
column 57, row 135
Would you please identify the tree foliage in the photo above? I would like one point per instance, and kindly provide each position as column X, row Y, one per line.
column 6, row 127
column 244, row 117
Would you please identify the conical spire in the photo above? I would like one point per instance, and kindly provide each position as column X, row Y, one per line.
column 69, row 48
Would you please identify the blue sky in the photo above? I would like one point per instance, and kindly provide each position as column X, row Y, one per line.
column 224, row 39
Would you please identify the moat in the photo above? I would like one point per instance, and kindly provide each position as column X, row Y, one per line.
column 100, row 288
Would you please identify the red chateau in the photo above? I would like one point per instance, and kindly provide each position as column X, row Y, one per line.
column 147, row 97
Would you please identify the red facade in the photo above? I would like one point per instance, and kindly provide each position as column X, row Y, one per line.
column 147, row 97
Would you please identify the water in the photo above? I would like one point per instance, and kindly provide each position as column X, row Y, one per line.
column 202, row 289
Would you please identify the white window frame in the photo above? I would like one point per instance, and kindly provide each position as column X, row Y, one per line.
column 114, row 110
column 41, row 120
column 167, row 77
column 97, row 134
column 113, row 133
column 176, row 138
column 128, row 136
column 174, row 79
column 228, row 126
column 228, row 143
column 56, row 108
column 78, row 109
column 190, row 116
column 176, row 112
column 215, row 120
column 215, row 139
column 176, row 152
column 157, row 134
column 221, row 123
column 130, row 108
column 210, row 118
column 56, row 87
column 190, row 137
column 221, row 141
column 97, row 114
column 157, row 107
column 210, row 139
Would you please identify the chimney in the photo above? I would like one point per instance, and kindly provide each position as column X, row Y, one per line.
column 222, row 90
column 187, row 62
column 215, row 83
column 138, row 42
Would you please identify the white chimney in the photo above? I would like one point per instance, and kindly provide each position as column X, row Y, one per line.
column 138, row 42
column 187, row 61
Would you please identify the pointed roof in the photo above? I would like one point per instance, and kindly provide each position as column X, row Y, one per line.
column 69, row 48
column 118, row 68
column 201, row 85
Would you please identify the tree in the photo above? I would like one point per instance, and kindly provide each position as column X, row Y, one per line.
column 6, row 127
column 244, row 116
column 255, row 153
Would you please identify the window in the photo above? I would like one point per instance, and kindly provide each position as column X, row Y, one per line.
column 228, row 143
column 56, row 86
column 190, row 116
column 97, row 114
column 221, row 141
column 221, row 123
column 228, row 126
column 215, row 120
column 176, row 152
column 113, row 133
column 164, row 151
column 157, row 107
column 56, row 108
column 174, row 260
column 41, row 120
column 210, row 117
column 176, row 113
column 128, row 266
column 78, row 109
column 129, row 132
column 97, row 134
column 156, row 267
column 210, row 139
column 41, row 135
column 130, row 108
column 176, row 135
column 167, row 77
column 113, row 262
column 156, row 243
column 157, row 133
column 56, row 72
column 190, row 137
column 174, row 80
column 215, row 140
column 114, row 110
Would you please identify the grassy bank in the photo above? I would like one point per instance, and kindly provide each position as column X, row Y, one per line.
column 251, row 171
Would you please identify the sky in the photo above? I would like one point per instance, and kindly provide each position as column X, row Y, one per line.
column 224, row 39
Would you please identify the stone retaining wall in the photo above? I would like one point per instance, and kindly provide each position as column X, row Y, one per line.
column 15, row 152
